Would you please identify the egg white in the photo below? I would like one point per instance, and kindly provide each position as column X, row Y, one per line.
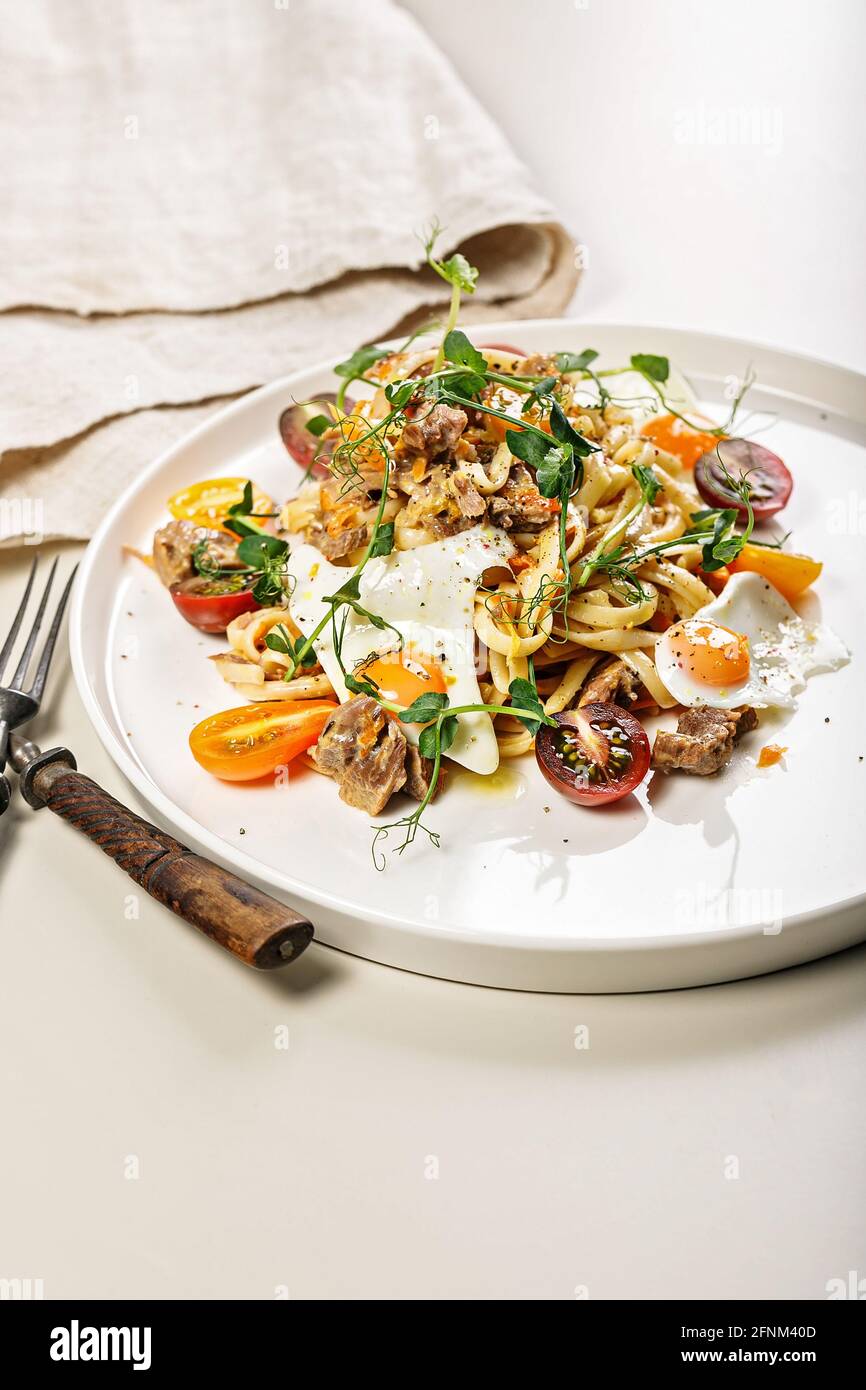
column 428, row 595
column 631, row 391
column 784, row 649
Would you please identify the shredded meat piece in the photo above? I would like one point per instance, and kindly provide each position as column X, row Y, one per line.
column 704, row 740
column 440, row 506
column 519, row 506
column 365, row 752
column 419, row 772
column 436, row 431
column 173, row 547
column 538, row 364
column 611, row 683
column 469, row 499
column 336, row 547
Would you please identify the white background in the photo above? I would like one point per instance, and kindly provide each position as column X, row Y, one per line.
column 708, row 1143
column 618, row 107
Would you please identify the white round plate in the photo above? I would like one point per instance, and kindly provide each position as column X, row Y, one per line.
column 691, row 881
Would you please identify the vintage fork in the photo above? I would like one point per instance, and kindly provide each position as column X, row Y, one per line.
column 256, row 928
column 18, row 705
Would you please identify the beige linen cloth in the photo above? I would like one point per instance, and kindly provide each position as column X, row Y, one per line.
column 199, row 196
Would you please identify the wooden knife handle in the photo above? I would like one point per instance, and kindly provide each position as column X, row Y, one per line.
column 256, row 928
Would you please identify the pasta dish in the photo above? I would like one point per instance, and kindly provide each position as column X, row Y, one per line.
column 491, row 554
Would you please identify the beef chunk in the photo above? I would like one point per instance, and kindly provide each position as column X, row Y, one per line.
column 519, row 506
column 337, row 547
column 469, row 499
column 435, row 431
column 365, row 752
column 173, row 547
column 611, row 683
column 419, row 773
column 704, row 740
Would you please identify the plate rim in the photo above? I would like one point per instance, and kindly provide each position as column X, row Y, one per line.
column 242, row 860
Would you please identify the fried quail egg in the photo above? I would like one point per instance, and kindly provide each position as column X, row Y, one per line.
column 427, row 597
column 747, row 647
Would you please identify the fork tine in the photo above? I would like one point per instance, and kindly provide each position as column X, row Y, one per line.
column 21, row 671
column 50, row 641
column 16, row 622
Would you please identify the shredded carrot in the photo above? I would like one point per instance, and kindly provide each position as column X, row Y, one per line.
column 520, row 562
column 771, row 754
column 138, row 555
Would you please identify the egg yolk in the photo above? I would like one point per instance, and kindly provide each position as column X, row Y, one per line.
column 713, row 654
column 403, row 676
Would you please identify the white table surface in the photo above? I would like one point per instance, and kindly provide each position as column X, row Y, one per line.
column 425, row 1139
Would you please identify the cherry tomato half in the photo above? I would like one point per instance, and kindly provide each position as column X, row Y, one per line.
column 769, row 479
column 595, row 754
column 211, row 604
column 241, row 745
column 304, row 446
column 207, row 503
column 502, row 347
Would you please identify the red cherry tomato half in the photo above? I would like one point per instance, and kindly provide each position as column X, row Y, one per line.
column 211, row 604
column 769, row 479
column 502, row 347
column 301, row 443
column 594, row 755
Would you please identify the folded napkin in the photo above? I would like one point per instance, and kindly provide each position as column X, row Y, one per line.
column 201, row 196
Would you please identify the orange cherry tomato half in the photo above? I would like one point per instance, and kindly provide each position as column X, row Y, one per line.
column 789, row 573
column 714, row 579
column 207, row 503
column 241, row 745
column 676, row 437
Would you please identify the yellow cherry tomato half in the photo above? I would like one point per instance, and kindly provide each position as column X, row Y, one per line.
column 789, row 573
column 207, row 503
column 252, row 741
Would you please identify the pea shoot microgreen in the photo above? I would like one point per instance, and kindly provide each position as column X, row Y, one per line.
column 456, row 272
column 262, row 558
column 714, row 530
column 355, row 368
column 243, row 519
column 439, row 718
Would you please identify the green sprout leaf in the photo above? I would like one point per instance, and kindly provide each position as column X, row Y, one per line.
column 462, row 353
column 528, row 446
column 658, row 369
column 399, row 393
column 447, row 732
column 458, row 272
column 555, row 470
column 575, row 361
column 318, row 425
column 350, row 590
column 383, row 541
column 650, row 485
column 245, row 506
column 257, row 551
column 524, row 695
column 360, row 362
column 279, row 639
column 566, row 434
column 540, row 394
column 427, row 707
